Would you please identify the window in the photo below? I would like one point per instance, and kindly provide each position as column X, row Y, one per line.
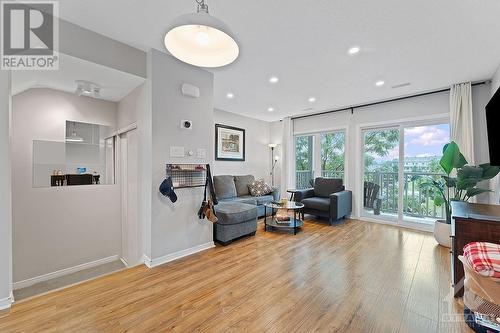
column 319, row 155
column 333, row 155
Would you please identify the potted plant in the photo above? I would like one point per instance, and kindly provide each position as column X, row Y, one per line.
column 460, row 187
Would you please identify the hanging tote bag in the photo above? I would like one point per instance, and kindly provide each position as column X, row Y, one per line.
column 207, row 209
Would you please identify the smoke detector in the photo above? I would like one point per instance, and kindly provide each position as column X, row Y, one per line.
column 87, row 88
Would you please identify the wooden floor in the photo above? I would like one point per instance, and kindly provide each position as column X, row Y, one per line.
column 352, row 277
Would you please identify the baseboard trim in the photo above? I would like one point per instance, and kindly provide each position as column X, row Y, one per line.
column 62, row 272
column 5, row 303
column 176, row 255
column 405, row 224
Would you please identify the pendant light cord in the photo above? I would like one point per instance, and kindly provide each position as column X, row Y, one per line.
column 202, row 6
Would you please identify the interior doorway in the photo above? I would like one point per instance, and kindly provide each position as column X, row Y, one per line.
column 131, row 233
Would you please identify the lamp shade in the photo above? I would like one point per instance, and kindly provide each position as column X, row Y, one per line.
column 201, row 40
column 272, row 145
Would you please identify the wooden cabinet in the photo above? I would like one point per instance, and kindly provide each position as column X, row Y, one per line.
column 471, row 223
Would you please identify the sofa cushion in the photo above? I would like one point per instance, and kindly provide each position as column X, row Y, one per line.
column 231, row 212
column 259, row 188
column 241, row 183
column 224, row 187
column 317, row 203
column 323, row 187
column 264, row 199
column 248, row 199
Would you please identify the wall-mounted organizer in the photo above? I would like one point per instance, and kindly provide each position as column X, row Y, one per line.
column 187, row 175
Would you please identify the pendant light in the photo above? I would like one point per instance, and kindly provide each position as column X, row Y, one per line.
column 74, row 137
column 201, row 40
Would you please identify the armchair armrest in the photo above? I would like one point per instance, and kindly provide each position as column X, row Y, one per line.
column 340, row 204
column 302, row 194
column 276, row 193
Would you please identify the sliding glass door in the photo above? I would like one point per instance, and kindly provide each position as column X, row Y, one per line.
column 422, row 151
column 397, row 162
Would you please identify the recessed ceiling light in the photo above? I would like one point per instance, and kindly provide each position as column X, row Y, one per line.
column 380, row 83
column 312, row 99
column 230, row 95
column 354, row 50
column 273, row 79
column 270, row 109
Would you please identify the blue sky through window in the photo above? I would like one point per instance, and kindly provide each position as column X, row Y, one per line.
column 420, row 141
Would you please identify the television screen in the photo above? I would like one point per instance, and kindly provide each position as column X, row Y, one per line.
column 493, row 122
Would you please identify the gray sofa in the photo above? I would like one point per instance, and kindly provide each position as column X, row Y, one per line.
column 328, row 198
column 235, row 189
column 235, row 220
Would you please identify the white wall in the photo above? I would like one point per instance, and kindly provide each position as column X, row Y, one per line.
column 258, row 154
column 176, row 227
column 495, row 81
column 276, row 136
column 58, row 228
column 130, row 106
column 5, row 193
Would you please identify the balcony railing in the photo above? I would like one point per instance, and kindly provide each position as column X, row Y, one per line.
column 417, row 201
column 303, row 178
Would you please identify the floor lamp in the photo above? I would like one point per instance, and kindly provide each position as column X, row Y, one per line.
column 274, row 160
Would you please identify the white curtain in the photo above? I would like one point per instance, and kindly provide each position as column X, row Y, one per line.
column 461, row 119
column 287, row 181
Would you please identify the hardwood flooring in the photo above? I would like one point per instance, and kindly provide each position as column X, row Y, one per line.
column 352, row 277
column 68, row 280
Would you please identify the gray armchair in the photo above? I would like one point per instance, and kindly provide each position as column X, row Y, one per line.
column 327, row 199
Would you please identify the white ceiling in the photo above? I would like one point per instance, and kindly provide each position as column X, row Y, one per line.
column 429, row 43
column 114, row 84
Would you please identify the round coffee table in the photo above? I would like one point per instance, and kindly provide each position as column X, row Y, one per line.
column 294, row 222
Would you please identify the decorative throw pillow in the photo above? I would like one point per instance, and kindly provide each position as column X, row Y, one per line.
column 259, row 188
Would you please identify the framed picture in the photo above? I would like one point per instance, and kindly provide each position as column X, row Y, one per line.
column 229, row 143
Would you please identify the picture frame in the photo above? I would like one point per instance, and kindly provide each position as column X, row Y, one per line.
column 229, row 143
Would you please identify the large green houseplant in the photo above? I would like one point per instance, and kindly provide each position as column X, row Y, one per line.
column 460, row 182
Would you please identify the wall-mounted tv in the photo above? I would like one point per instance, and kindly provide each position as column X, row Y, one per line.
column 493, row 124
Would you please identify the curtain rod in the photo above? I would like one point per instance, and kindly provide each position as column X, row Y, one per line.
column 351, row 108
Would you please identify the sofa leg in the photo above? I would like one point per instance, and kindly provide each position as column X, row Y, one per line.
column 224, row 243
column 331, row 221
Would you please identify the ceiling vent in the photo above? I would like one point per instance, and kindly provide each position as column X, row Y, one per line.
column 87, row 88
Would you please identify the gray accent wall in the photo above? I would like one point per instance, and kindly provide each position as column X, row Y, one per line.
column 174, row 227
column 258, row 154
column 57, row 228
column 5, row 193
column 85, row 44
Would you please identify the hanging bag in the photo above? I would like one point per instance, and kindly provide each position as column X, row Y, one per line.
column 207, row 209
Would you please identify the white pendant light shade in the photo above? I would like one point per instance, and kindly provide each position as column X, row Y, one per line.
column 201, row 40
